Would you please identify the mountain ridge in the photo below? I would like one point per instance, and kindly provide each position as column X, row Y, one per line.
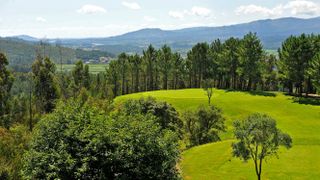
column 271, row 32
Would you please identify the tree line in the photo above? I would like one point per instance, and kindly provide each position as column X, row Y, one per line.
column 238, row 64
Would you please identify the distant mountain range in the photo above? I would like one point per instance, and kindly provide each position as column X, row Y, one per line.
column 271, row 32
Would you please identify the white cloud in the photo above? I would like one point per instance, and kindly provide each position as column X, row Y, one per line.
column 176, row 14
column 200, row 11
column 292, row 8
column 41, row 19
column 149, row 18
column 254, row 9
column 91, row 9
column 131, row 5
column 194, row 11
column 303, row 7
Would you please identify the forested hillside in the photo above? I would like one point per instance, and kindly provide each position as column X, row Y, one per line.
column 21, row 53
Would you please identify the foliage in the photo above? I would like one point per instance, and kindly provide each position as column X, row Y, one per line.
column 13, row 143
column 6, row 82
column 208, row 86
column 166, row 116
column 251, row 57
column 314, row 71
column 78, row 142
column 203, row 125
column 295, row 56
column 258, row 138
column 81, row 76
column 45, row 85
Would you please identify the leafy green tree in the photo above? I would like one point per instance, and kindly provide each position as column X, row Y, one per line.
column 6, row 82
column 136, row 66
column 208, row 86
column 217, row 58
column 199, row 63
column 314, row 71
column 295, row 55
column 165, row 65
column 78, row 73
column 203, row 125
column 123, row 66
column 86, row 77
column 81, row 76
column 178, row 70
column 113, row 76
column 167, row 116
column 258, row 137
column 150, row 58
column 78, row 141
column 45, row 85
column 251, row 55
column 231, row 54
column 269, row 73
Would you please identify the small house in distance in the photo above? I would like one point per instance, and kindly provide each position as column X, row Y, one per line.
column 104, row 60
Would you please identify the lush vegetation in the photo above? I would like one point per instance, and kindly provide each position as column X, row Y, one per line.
column 77, row 141
column 67, row 126
column 258, row 138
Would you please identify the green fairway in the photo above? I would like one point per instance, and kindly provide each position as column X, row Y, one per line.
column 214, row 161
column 93, row 68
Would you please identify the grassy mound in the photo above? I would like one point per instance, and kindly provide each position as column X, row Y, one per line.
column 214, row 161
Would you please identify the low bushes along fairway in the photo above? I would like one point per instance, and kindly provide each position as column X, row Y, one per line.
column 214, row 161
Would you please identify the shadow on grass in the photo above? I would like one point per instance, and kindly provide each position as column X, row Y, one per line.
column 256, row 93
column 306, row 100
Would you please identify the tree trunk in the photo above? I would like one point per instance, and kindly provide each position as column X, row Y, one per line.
column 132, row 83
column 115, row 89
column 123, row 85
column 137, row 81
column 165, row 82
column 249, row 84
column 30, row 109
column 260, row 169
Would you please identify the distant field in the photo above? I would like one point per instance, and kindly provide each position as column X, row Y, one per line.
column 272, row 51
column 214, row 161
column 93, row 68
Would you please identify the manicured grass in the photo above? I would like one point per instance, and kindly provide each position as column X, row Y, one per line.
column 93, row 68
column 214, row 161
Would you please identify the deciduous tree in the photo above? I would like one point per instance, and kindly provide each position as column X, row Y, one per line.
column 258, row 137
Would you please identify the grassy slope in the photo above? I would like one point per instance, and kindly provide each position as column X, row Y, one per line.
column 214, row 161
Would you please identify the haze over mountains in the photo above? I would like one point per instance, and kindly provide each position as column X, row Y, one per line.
column 271, row 33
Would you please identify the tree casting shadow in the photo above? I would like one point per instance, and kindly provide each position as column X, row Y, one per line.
column 306, row 100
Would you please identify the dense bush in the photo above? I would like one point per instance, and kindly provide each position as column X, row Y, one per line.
column 166, row 116
column 203, row 125
column 13, row 143
column 79, row 142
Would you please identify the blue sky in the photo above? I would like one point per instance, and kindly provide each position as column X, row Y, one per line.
column 101, row 18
